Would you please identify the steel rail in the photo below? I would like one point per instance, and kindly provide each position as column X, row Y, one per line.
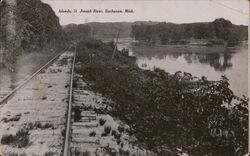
column 6, row 97
column 66, row 151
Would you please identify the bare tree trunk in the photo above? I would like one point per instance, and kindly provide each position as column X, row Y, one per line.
column 113, row 55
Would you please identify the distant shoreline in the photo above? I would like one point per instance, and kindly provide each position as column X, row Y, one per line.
column 198, row 43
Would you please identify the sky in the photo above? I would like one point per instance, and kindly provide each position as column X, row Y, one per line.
column 175, row 11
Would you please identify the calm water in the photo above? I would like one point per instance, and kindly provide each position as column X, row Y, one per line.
column 212, row 62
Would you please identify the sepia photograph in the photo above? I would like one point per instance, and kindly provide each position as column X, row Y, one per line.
column 124, row 78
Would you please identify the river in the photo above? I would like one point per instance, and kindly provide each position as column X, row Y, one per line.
column 212, row 62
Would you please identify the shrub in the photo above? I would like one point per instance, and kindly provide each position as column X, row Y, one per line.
column 121, row 129
column 117, row 136
column 63, row 132
column 21, row 139
column 30, row 126
column 78, row 112
column 48, row 125
column 102, row 121
column 107, row 129
column 124, row 153
column 22, row 132
column 118, row 141
column 14, row 118
column 92, row 133
column 16, row 154
column 74, row 84
column 7, row 139
column 66, row 86
column 86, row 153
column 5, row 120
column 114, row 132
column 38, row 124
column 174, row 110
column 109, row 151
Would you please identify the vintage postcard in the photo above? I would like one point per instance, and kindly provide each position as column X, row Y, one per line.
column 124, row 78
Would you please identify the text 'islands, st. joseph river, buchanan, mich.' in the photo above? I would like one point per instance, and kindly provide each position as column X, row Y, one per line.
column 96, row 11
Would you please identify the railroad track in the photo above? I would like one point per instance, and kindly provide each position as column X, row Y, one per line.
column 90, row 129
column 7, row 93
column 82, row 117
column 66, row 151
column 38, row 105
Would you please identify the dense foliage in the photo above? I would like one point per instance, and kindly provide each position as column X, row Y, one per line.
column 2, row 24
column 101, row 30
column 98, row 30
column 168, row 111
column 218, row 32
column 38, row 24
column 77, row 32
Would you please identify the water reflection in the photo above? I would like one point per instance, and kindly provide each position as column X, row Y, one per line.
column 212, row 62
column 220, row 61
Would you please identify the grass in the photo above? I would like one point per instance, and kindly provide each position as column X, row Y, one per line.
column 50, row 153
column 40, row 125
column 14, row 118
column 63, row 61
column 85, row 153
column 21, row 139
column 16, row 154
